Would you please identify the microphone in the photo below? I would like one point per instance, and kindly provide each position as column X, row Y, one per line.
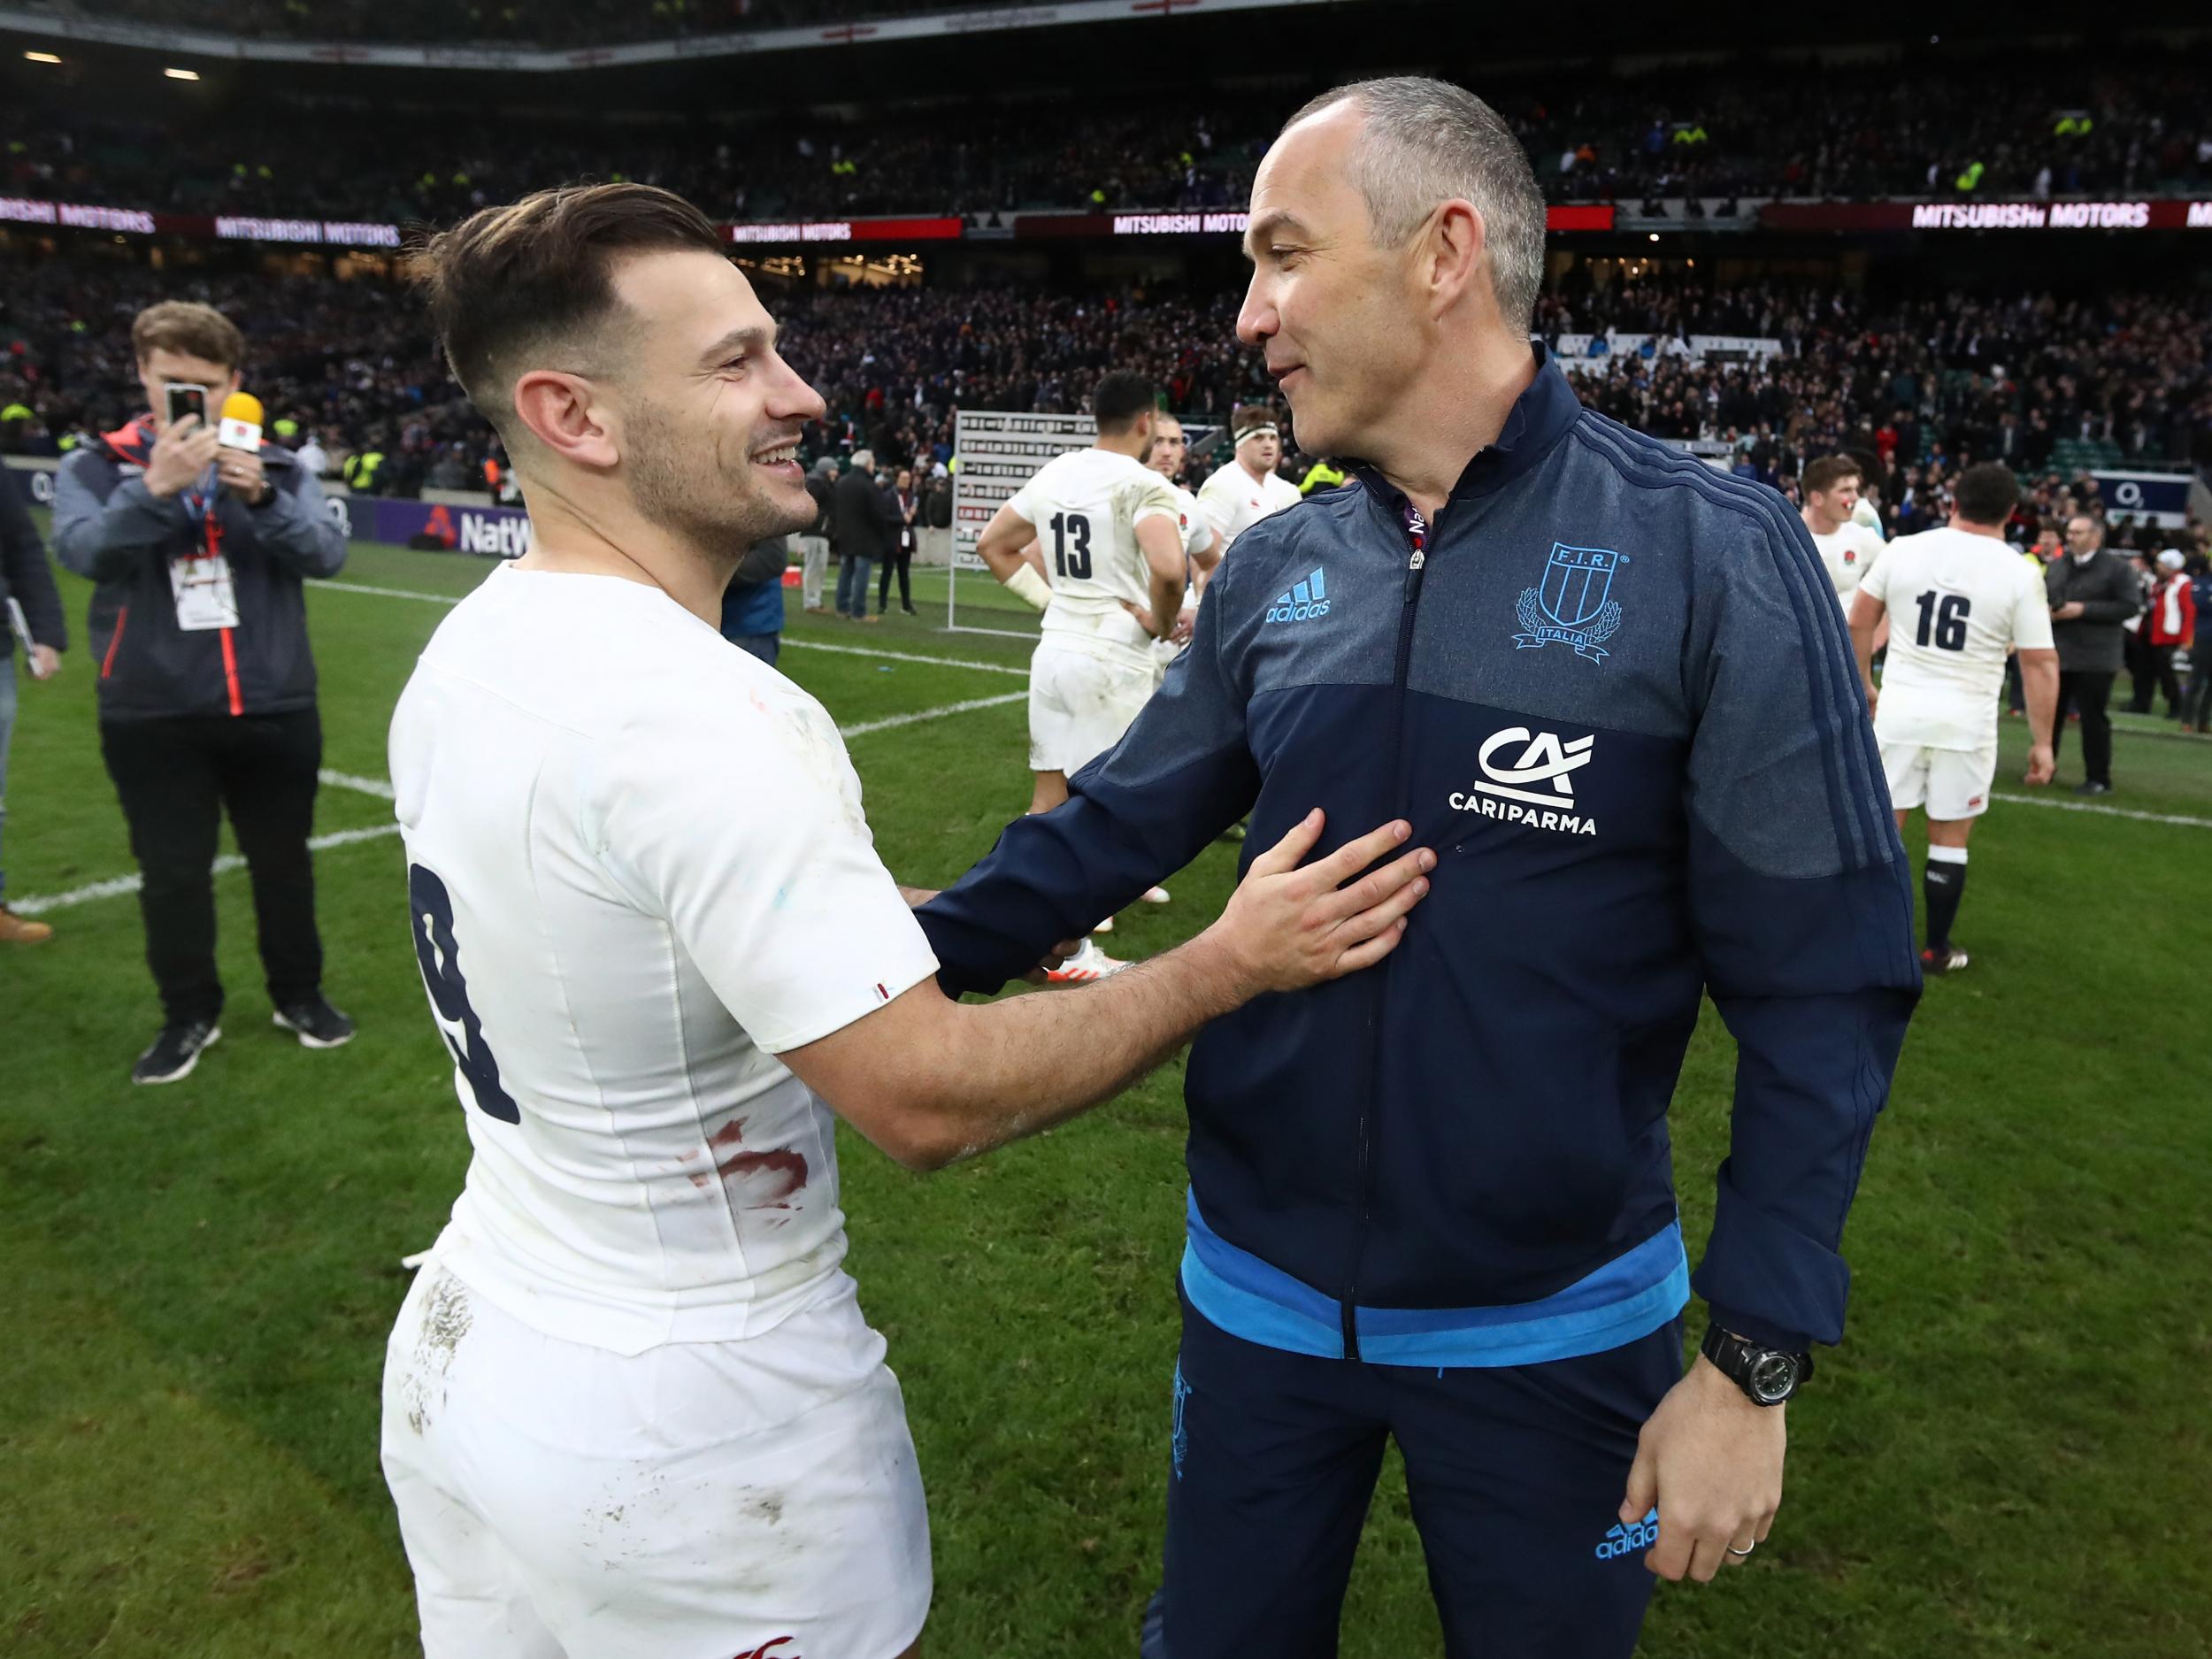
column 241, row 423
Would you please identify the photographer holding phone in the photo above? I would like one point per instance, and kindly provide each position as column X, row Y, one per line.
column 199, row 537
column 34, row 619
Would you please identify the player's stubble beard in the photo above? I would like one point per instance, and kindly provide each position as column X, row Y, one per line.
column 682, row 483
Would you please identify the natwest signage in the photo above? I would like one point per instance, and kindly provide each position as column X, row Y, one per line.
column 1949, row 216
column 784, row 235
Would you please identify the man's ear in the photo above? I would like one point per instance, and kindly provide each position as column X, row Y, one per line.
column 564, row 413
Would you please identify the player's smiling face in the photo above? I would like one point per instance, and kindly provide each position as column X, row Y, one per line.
column 711, row 414
column 1336, row 315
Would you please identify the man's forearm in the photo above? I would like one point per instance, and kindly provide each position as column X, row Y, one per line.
column 1023, row 1065
column 2039, row 687
column 1862, row 649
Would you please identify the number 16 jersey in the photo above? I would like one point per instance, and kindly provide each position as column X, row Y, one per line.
column 1957, row 603
column 637, row 873
column 1086, row 506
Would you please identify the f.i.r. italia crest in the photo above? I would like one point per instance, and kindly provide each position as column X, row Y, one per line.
column 1572, row 604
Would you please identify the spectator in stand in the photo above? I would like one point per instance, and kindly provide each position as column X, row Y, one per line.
column 2170, row 625
column 2092, row 592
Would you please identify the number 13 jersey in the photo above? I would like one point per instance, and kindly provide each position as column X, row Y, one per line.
column 1087, row 505
column 637, row 872
column 1957, row 603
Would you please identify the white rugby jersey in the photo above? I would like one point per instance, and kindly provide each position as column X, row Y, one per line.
column 638, row 871
column 1086, row 506
column 1198, row 530
column 1847, row 552
column 1956, row 603
column 1235, row 501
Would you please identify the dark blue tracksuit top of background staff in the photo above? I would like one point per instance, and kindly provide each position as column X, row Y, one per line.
column 1614, row 693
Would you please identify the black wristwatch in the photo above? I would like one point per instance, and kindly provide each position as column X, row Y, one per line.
column 1767, row 1376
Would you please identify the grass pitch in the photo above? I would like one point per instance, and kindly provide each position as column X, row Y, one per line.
column 2004, row 1459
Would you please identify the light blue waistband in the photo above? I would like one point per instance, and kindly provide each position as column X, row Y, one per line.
column 1631, row 1296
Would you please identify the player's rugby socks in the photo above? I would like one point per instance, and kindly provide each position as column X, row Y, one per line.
column 1944, row 886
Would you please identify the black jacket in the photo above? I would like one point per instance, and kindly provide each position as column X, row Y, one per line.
column 867, row 525
column 25, row 574
column 2109, row 595
column 109, row 526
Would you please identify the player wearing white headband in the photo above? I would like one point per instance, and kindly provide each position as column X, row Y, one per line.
column 1239, row 495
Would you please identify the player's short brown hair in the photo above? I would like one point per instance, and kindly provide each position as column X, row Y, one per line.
column 508, row 283
column 1253, row 415
column 1824, row 474
column 190, row 329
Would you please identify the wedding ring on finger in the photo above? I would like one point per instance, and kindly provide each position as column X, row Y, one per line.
column 1740, row 1554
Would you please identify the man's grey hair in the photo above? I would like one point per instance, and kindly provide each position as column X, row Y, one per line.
column 864, row 460
column 1423, row 141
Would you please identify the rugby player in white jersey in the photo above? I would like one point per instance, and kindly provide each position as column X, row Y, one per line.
column 1237, row 497
column 1202, row 543
column 1829, row 488
column 631, row 1406
column 1111, row 539
column 1962, row 600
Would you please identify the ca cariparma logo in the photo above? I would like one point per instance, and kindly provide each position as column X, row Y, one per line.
column 1572, row 603
column 1527, row 777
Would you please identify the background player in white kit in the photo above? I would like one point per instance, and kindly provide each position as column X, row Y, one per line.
column 1202, row 543
column 1110, row 532
column 1961, row 599
column 1237, row 497
column 631, row 1406
column 1829, row 488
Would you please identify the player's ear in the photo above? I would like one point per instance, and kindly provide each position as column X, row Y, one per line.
column 564, row 413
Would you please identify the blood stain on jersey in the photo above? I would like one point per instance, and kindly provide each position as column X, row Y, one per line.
column 756, row 1180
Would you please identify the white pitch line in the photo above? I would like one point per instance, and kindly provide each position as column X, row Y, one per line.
column 790, row 643
column 903, row 657
column 2104, row 811
column 118, row 886
column 376, row 787
column 973, row 703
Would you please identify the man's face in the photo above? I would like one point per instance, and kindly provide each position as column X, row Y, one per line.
column 1837, row 502
column 161, row 368
column 905, row 482
column 709, row 415
column 1262, row 453
column 1339, row 319
column 1168, row 448
column 2081, row 536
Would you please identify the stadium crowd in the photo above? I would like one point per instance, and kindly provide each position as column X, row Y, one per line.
column 1718, row 133
column 1928, row 384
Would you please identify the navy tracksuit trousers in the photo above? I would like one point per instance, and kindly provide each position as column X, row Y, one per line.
column 1515, row 1475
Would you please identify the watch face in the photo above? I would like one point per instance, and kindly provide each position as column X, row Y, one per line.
column 1773, row 1377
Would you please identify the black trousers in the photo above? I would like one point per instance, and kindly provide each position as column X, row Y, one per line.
column 2089, row 693
column 175, row 779
column 2142, row 670
column 902, row 562
column 2168, row 682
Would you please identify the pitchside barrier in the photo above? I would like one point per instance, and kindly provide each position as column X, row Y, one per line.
column 999, row 452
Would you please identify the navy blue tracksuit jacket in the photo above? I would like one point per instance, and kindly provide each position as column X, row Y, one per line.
column 1613, row 690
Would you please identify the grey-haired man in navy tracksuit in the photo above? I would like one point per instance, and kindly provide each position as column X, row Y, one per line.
column 1434, row 1200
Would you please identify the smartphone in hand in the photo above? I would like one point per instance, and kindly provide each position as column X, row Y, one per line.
column 187, row 400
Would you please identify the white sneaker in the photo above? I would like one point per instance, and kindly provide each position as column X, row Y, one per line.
column 1087, row 963
column 1153, row 896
